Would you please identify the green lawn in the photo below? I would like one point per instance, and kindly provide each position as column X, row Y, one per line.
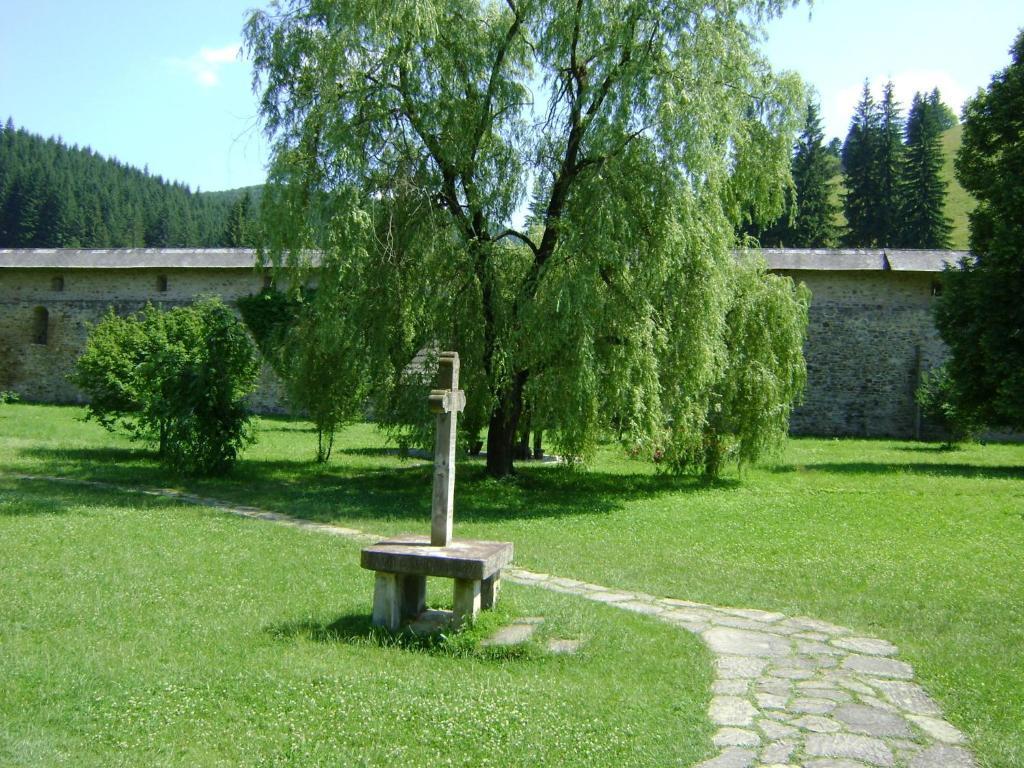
column 899, row 540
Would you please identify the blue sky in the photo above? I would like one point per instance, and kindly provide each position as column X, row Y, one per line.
column 161, row 84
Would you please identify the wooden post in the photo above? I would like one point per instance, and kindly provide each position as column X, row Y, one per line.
column 446, row 400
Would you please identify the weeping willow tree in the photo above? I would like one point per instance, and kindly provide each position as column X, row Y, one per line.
column 629, row 138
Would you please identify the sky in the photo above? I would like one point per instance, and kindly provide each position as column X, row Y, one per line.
column 162, row 84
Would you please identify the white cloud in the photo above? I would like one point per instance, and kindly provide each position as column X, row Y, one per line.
column 837, row 110
column 205, row 66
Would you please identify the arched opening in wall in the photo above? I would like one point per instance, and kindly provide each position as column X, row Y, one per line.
column 268, row 282
column 57, row 283
column 936, row 287
column 40, row 325
column 161, row 283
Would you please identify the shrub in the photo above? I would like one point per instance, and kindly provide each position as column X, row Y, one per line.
column 939, row 404
column 177, row 379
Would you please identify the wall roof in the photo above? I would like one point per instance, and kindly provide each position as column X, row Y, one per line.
column 779, row 259
column 127, row 258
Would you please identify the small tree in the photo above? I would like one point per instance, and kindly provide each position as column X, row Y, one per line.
column 763, row 375
column 937, row 397
column 174, row 378
column 813, row 168
column 923, row 223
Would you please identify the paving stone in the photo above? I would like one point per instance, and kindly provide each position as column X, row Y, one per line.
column 905, row 746
column 770, row 701
column 777, row 714
column 812, row 647
column 513, row 634
column 943, row 756
column 608, row 597
column 805, row 624
column 808, row 706
column 637, row 606
column 779, row 752
column 733, row 757
column 742, row 642
column 566, row 647
column 816, row 636
column 939, row 730
column 755, row 614
column 681, row 614
column 725, row 620
column 793, row 673
column 682, row 603
column 816, row 724
column 824, row 662
column 909, row 697
column 774, row 685
column 843, row 745
column 739, row 666
column 835, row 764
column 872, row 721
column 854, row 685
column 776, row 731
column 735, row 737
column 877, row 703
column 731, row 710
column 866, row 645
column 878, row 667
column 734, row 687
column 834, row 694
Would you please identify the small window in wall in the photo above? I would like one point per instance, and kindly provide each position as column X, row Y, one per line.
column 268, row 283
column 161, row 283
column 57, row 283
column 936, row 287
column 40, row 325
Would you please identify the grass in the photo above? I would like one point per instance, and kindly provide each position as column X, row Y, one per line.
column 959, row 202
column 139, row 631
column 898, row 540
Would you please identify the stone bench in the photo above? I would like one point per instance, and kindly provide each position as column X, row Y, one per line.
column 402, row 564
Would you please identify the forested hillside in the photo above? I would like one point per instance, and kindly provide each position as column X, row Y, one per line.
column 56, row 196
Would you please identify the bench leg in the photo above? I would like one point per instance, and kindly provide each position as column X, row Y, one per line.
column 489, row 589
column 467, row 599
column 387, row 601
column 414, row 595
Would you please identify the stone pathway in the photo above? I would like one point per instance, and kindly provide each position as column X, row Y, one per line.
column 789, row 691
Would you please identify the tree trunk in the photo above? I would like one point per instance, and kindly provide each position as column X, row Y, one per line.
column 502, row 432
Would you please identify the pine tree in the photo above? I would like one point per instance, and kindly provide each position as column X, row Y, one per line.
column 860, row 164
column 923, row 223
column 813, row 167
column 889, row 168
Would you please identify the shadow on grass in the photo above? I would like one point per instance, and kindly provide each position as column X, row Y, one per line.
column 397, row 491
column 976, row 471
column 356, row 629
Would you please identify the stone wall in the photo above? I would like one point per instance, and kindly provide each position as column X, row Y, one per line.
column 76, row 299
column 871, row 333
column 870, row 338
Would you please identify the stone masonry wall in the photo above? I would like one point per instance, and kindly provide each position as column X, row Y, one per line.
column 871, row 336
column 38, row 372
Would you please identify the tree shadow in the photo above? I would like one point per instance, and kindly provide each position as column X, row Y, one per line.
column 397, row 491
column 971, row 471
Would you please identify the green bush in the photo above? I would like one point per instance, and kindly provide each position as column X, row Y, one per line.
column 939, row 404
column 176, row 379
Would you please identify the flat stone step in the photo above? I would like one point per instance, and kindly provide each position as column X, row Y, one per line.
column 519, row 631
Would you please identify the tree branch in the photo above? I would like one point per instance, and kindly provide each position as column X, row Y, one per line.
column 518, row 235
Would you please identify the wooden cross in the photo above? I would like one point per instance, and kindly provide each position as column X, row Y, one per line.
column 447, row 401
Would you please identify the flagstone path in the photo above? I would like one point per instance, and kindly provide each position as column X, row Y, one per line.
column 789, row 691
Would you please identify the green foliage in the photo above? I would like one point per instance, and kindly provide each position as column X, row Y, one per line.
column 8, row 397
column 406, row 139
column 980, row 314
column 938, row 400
column 56, row 196
column 922, row 198
column 762, row 376
column 873, row 160
column 177, row 379
column 813, row 169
